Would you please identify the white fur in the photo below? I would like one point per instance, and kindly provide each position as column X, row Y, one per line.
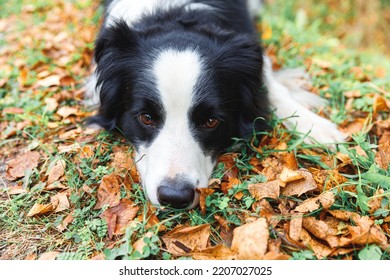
column 175, row 151
column 254, row 7
column 284, row 97
column 132, row 11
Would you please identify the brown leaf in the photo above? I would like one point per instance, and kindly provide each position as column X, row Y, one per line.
column 295, row 227
column 274, row 251
column 375, row 202
column 382, row 158
column 321, row 230
column 66, row 111
column 49, row 81
column 269, row 189
column 289, row 161
column 204, row 193
column 231, row 170
column 56, row 171
column 229, row 184
column 289, row 175
column 64, row 149
column 60, row 202
column 265, row 210
column 49, row 256
column 250, row 241
column 302, row 186
column 51, row 104
column 68, row 219
column 18, row 166
column 309, row 205
column 184, row 240
column 108, row 192
column 365, row 232
column 219, row 252
column 119, row 217
column 320, row 250
column 124, row 162
column 342, row 214
column 12, row 190
column 140, row 244
column 39, row 209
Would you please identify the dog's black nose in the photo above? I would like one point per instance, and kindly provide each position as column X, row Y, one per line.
column 175, row 194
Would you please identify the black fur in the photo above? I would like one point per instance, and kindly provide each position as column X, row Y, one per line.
column 231, row 88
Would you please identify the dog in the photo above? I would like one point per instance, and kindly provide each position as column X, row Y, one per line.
column 180, row 79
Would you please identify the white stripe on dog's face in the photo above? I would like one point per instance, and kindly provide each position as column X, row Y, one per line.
column 174, row 152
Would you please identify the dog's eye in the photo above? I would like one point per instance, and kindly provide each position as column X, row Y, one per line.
column 211, row 123
column 146, row 119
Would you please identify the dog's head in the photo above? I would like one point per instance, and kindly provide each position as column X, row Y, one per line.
column 179, row 97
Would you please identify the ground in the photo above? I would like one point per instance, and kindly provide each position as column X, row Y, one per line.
column 71, row 192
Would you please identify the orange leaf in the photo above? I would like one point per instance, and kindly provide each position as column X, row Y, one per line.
column 289, row 175
column 184, row 240
column 320, row 250
column 49, row 256
column 66, row 111
column 250, row 241
column 22, row 163
column 295, row 227
column 269, row 189
column 56, row 171
column 60, row 202
column 39, row 209
column 68, row 219
column 119, row 217
column 219, row 252
column 108, row 192
column 309, row 205
column 321, row 230
column 49, row 81
column 302, row 186
column 204, row 193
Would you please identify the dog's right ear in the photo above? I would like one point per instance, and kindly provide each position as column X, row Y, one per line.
column 115, row 50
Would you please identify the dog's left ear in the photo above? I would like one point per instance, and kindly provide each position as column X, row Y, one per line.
column 114, row 49
column 242, row 66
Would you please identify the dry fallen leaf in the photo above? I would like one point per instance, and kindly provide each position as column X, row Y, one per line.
column 68, row 219
column 67, row 111
column 56, row 171
column 18, row 166
column 365, row 232
column 269, row 189
column 60, row 202
column 295, row 227
column 219, row 252
column 250, row 241
column 108, row 192
column 289, row 175
column 321, row 230
column 320, row 250
column 49, row 81
column 204, row 193
column 140, row 244
column 39, row 209
column 49, row 256
column 311, row 204
column 119, row 217
column 301, row 186
column 184, row 240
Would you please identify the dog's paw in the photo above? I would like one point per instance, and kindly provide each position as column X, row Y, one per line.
column 298, row 82
column 317, row 129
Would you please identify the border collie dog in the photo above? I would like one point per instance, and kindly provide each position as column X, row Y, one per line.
column 181, row 78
